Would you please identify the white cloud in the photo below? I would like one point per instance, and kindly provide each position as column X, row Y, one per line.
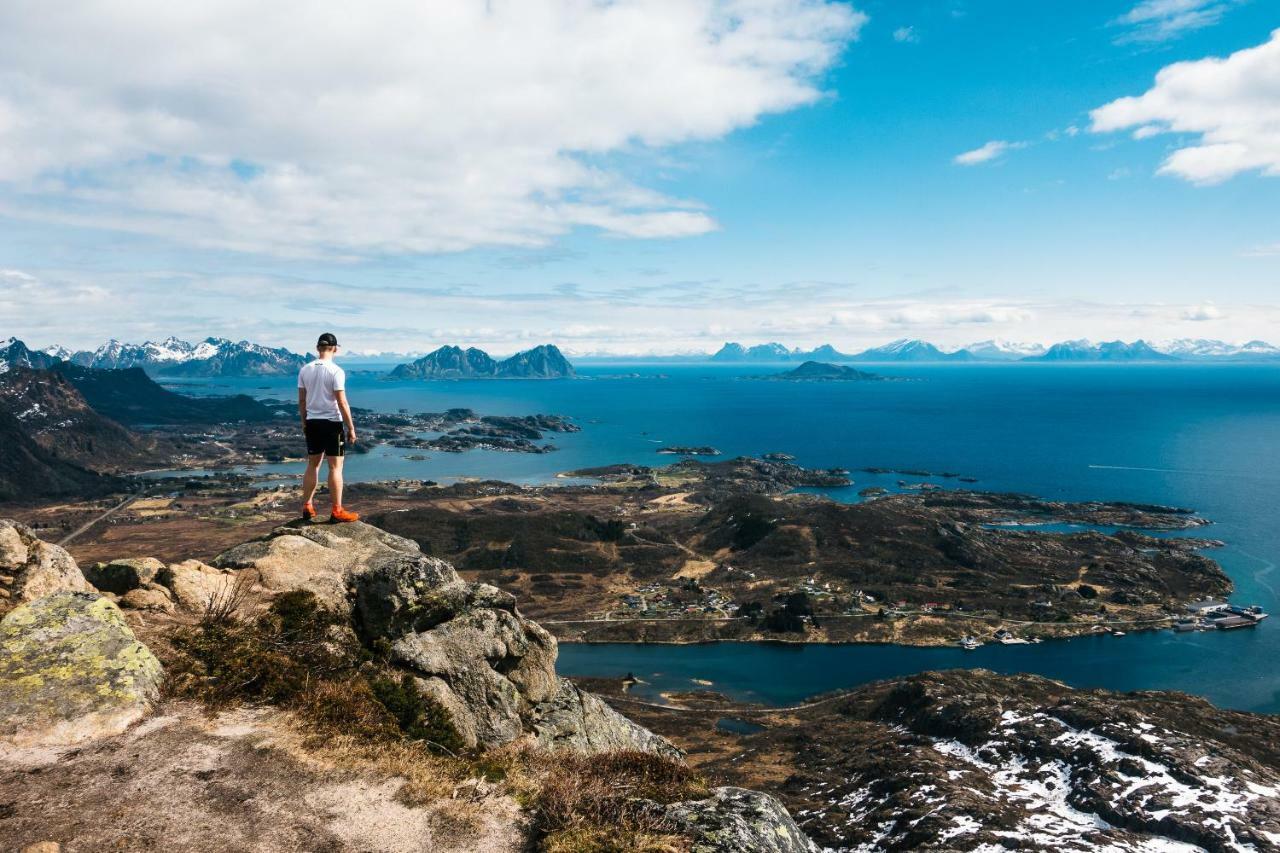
column 1163, row 20
column 400, row 318
column 906, row 35
column 992, row 150
column 1231, row 104
column 303, row 127
column 1202, row 313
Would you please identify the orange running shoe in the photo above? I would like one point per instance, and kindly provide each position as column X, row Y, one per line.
column 308, row 511
column 341, row 515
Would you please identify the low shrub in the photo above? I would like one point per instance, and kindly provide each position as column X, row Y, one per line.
column 607, row 798
column 303, row 656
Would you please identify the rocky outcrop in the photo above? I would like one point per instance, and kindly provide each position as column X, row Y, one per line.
column 121, row 576
column 192, row 585
column 467, row 646
column 71, row 670
column 733, row 820
column 31, row 567
column 968, row 760
column 318, row 558
column 574, row 719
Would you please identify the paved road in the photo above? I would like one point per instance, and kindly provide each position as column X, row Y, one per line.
column 64, row 541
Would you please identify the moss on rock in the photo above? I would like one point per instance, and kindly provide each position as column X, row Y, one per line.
column 71, row 670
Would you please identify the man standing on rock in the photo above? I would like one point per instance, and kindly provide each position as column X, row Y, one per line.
column 322, row 404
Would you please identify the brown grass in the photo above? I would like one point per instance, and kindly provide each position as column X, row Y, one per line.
column 607, row 799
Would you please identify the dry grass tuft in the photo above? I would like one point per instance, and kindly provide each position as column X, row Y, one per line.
column 607, row 798
column 612, row 841
column 299, row 655
column 223, row 607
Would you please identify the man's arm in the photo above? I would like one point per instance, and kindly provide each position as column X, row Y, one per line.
column 345, row 409
column 302, row 407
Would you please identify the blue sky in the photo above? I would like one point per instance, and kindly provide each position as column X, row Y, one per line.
column 652, row 176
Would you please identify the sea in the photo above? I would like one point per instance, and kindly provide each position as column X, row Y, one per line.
column 1203, row 436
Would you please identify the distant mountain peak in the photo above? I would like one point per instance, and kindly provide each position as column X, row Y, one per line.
column 452, row 362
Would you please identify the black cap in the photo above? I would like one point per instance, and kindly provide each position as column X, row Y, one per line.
column 327, row 340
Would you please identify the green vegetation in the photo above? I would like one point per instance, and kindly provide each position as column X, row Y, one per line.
column 301, row 656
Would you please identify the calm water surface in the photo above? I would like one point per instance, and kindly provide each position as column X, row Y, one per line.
column 1206, row 437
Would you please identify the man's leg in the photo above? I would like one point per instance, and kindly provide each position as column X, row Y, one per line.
column 311, row 477
column 335, row 481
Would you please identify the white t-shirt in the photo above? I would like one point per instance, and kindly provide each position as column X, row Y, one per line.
column 322, row 378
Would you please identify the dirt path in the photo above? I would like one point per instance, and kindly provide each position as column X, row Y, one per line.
column 186, row 782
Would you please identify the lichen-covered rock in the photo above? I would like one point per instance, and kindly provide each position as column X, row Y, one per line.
column 487, row 666
column 31, row 567
column 465, row 644
column 574, row 719
column 405, row 593
column 121, row 576
column 194, row 584
column 71, row 670
column 735, row 820
column 315, row 557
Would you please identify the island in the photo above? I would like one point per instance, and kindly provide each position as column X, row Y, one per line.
column 451, row 362
column 685, row 450
column 818, row 371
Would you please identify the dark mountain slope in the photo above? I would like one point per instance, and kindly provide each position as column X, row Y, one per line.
column 54, row 414
column 133, row 398
column 30, row 472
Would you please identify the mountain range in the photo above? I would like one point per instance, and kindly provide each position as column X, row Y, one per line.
column 67, row 430
column 450, row 362
column 170, row 357
column 914, row 350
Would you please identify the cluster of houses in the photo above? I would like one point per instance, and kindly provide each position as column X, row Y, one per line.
column 654, row 600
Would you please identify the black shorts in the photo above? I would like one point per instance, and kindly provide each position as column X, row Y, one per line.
column 325, row 436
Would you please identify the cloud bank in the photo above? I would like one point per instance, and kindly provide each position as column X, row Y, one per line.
column 325, row 128
column 663, row 318
column 1232, row 105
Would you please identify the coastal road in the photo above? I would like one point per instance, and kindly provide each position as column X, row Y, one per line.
column 79, row 531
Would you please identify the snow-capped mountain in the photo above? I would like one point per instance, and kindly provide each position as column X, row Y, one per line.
column 60, row 353
column 998, row 349
column 1084, row 350
column 909, row 349
column 175, row 357
column 14, row 353
column 773, row 351
column 1202, row 348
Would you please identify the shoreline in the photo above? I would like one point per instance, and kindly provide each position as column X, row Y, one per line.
column 1145, row 626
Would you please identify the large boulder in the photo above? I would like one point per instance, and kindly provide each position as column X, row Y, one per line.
column 71, row 670
column 121, row 576
column 576, row 720
column 481, row 660
column 407, row 592
column 733, row 820
column 465, row 644
column 320, row 558
column 31, row 567
column 193, row 586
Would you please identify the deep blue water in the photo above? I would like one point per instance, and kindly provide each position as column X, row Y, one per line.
column 1203, row 436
